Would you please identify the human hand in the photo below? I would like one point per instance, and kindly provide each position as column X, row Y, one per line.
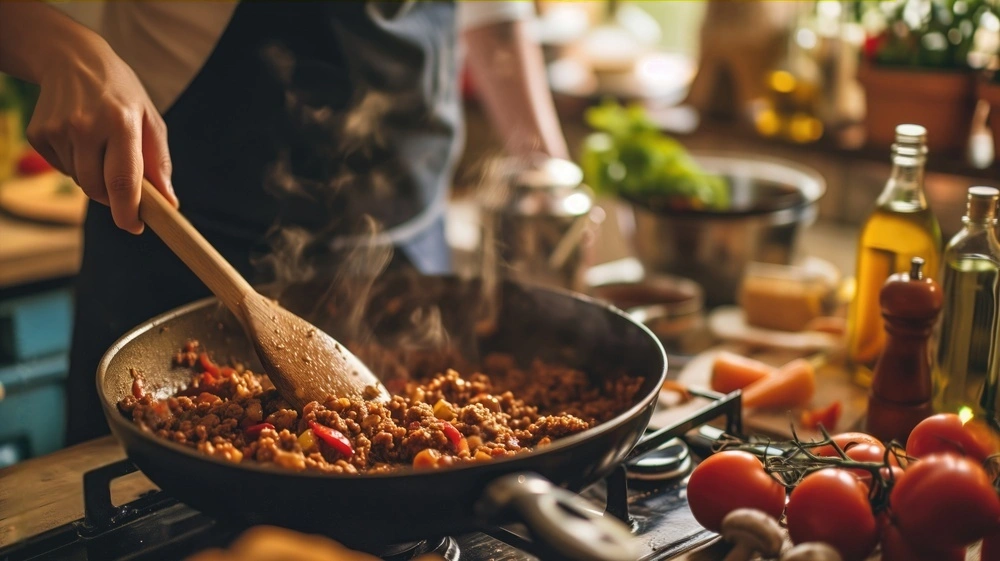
column 94, row 122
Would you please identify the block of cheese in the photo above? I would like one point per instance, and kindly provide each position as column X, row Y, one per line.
column 784, row 298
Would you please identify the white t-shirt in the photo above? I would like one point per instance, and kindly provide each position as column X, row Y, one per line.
column 167, row 42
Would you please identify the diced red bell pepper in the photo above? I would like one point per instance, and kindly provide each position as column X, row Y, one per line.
column 253, row 431
column 826, row 416
column 207, row 365
column 227, row 372
column 136, row 389
column 453, row 435
column 334, row 438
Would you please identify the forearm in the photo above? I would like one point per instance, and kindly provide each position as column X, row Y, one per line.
column 33, row 34
column 509, row 73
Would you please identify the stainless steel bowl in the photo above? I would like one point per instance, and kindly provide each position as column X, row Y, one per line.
column 772, row 201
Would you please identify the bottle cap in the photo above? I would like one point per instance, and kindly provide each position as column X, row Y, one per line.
column 911, row 134
column 982, row 204
column 910, row 140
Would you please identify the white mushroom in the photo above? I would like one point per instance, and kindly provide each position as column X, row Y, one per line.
column 811, row 551
column 751, row 531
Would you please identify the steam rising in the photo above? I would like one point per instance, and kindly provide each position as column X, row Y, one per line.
column 335, row 151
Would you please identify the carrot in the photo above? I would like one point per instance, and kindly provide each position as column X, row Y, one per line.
column 731, row 372
column 792, row 385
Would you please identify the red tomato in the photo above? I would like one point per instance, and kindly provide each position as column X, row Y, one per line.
column 946, row 433
column 825, row 416
column 943, row 501
column 897, row 472
column 831, row 506
column 896, row 548
column 32, row 163
column 990, row 549
column 866, row 452
column 984, row 433
column 730, row 480
column 847, row 440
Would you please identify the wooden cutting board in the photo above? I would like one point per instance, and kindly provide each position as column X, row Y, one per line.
column 49, row 197
column 832, row 384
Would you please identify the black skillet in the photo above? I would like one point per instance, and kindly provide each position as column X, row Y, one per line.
column 363, row 510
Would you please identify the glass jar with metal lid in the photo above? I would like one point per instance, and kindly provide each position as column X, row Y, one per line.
column 542, row 221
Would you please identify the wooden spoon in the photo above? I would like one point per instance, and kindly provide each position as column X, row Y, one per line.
column 304, row 363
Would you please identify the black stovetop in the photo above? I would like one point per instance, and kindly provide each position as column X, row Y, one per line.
column 648, row 492
column 157, row 527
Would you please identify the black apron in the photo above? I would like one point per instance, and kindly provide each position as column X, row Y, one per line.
column 306, row 118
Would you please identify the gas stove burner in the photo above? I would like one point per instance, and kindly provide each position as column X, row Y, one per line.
column 669, row 461
column 445, row 547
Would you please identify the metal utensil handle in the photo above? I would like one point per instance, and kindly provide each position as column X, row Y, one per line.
column 565, row 524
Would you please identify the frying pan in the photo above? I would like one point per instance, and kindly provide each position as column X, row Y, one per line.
column 534, row 488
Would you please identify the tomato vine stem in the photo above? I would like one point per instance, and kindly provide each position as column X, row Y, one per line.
column 790, row 461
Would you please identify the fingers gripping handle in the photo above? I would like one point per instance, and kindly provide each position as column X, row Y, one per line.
column 561, row 520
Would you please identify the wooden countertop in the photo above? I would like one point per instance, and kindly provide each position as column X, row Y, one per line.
column 33, row 251
column 47, row 492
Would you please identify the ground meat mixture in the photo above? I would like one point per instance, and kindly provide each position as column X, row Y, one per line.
column 434, row 420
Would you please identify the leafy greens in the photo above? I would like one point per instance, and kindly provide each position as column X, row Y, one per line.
column 628, row 156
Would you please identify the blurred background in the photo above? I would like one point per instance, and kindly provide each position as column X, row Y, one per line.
column 791, row 105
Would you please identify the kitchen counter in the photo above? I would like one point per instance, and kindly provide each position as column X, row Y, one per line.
column 47, row 492
column 33, row 252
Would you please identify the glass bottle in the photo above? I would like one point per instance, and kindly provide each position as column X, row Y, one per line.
column 901, row 227
column 967, row 361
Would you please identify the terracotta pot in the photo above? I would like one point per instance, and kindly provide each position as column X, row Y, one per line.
column 941, row 101
column 990, row 93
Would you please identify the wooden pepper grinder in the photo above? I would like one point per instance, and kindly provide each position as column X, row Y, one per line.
column 900, row 395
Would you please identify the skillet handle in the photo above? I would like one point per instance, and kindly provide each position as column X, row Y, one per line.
column 565, row 524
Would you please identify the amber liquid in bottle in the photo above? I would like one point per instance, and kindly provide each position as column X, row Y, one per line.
column 901, row 227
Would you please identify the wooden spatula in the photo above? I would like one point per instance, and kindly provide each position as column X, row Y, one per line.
column 303, row 362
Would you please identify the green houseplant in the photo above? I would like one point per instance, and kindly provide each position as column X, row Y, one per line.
column 917, row 68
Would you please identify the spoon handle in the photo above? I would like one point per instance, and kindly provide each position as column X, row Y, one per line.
column 193, row 249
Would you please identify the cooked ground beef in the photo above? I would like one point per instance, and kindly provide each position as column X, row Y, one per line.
column 433, row 420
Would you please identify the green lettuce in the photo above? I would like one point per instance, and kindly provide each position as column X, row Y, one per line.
column 628, row 156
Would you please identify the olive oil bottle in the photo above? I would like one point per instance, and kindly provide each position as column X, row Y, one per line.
column 901, row 227
column 967, row 359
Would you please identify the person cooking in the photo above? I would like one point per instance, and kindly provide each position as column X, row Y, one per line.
column 260, row 119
